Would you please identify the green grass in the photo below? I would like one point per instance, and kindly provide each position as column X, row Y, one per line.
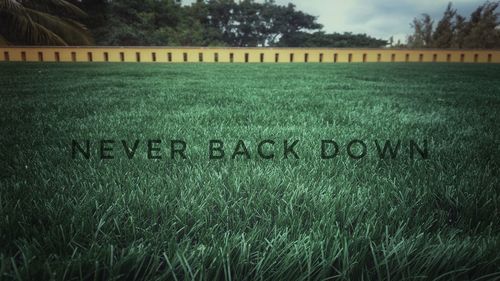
column 280, row 219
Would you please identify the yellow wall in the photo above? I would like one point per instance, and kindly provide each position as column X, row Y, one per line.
column 253, row 55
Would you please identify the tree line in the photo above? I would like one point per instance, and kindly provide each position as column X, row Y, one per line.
column 241, row 23
column 479, row 31
column 244, row 23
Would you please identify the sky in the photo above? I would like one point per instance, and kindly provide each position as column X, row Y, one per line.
column 378, row 18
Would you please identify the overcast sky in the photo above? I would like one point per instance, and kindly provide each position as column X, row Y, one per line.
column 378, row 18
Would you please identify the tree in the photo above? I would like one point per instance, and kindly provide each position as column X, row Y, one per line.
column 461, row 31
column 444, row 33
column 422, row 32
column 32, row 22
column 322, row 39
column 249, row 23
column 481, row 30
column 245, row 23
column 280, row 21
column 453, row 30
column 149, row 22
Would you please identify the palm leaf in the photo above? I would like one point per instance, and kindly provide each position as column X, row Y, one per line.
column 10, row 5
column 30, row 22
column 3, row 41
column 45, row 35
column 72, row 32
column 33, row 32
column 48, row 5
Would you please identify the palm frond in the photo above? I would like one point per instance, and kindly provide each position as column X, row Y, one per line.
column 31, row 22
column 72, row 32
column 32, row 32
column 10, row 5
column 3, row 41
column 48, row 5
column 46, row 35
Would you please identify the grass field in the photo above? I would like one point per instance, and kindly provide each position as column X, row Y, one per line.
column 256, row 219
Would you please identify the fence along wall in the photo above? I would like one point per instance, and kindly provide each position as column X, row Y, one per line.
column 241, row 55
